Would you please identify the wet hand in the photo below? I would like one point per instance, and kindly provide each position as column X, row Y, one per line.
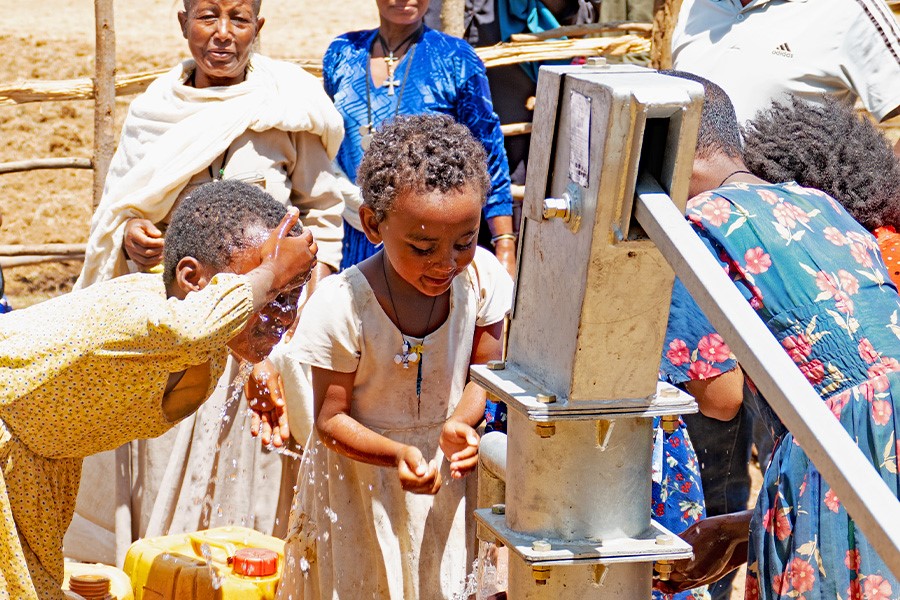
column 720, row 546
column 143, row 243
column 459, row 442
column 290, row 259
column 265, row 395
column 417, row 475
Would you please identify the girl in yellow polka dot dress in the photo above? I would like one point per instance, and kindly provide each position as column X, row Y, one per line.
column 129, row 358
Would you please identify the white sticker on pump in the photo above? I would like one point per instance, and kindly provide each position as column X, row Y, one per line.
column 580, row 139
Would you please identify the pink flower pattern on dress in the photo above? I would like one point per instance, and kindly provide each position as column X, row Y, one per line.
column 776, row 523
column 768, row 196
column 716, row 212
column 832, row 502
column 881, row 412
column 833, row 235
column 867, row 351
column 781, row 584
column 678, row 353
column 876, row 587
column 798, row 347
column 802, row 574
column 758, row 261
column 713, row 348
column 851, row 560
column 702, row 370
column 860, row 253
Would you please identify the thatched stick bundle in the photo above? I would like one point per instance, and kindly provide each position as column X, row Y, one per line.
column 501, row 54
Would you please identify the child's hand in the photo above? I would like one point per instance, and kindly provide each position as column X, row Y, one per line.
column 291, row 259
column 416, row 475
column 265, row 395
column 460, row 445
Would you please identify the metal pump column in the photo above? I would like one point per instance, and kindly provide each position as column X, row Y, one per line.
column 585, row 337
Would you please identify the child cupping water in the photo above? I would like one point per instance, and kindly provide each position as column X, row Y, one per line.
column 379, row 512
column 130, row 357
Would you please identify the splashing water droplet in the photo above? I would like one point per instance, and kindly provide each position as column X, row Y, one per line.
column 215, row 579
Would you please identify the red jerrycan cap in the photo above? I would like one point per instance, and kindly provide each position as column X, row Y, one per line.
column 255, row 562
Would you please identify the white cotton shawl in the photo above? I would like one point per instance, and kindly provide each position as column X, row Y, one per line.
column 173, row 131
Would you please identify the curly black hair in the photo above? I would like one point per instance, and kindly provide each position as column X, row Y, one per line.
column 719, row 129
column 420, row 154
column 215, row 220
column 831, row 148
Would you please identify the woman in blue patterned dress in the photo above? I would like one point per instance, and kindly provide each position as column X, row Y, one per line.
column 817, row 280
column 696, row 358
column 404, row 67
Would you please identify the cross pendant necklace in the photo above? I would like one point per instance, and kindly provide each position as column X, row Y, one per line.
column 390, row 60
column 409, row 354
column 390, row 82
column 367, row 129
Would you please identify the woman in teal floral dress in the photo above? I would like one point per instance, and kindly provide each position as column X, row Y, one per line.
column 817, row 280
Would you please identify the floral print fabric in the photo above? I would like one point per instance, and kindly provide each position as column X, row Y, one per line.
column 677, row 499
column 817, row 280
column 693, row 350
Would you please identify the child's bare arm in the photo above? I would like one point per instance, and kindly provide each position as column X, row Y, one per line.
column 458, row 438
column 342, row 433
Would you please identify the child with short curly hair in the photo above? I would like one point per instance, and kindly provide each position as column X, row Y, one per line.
column 379, row 511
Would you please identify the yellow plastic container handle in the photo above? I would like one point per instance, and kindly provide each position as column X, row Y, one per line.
column 198, row 539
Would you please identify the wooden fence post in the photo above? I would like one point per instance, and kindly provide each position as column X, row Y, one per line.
column 665, row 15
column 453, row 17
column 104, row 93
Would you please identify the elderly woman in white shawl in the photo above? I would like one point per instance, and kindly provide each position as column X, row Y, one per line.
column 232, row 114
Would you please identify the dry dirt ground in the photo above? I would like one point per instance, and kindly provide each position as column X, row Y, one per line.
column 54, row 39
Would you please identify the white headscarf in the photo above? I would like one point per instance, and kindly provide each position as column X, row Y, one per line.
column 173, row 131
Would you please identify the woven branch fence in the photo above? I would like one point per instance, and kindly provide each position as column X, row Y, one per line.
column 634, row 39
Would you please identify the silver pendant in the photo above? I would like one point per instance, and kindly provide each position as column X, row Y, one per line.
column 366, row 131
column 407, row 355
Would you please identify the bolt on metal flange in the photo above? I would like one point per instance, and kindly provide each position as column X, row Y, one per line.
column 545, row 398
column 557, row 208
column 498, row 509
column 496, row 365
column 665, row 540
column 664, row 569
column 541, row 546
column 545, row 430
column 541, row 574
column 669, row 423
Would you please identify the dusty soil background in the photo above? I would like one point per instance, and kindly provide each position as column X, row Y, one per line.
column 54, row 39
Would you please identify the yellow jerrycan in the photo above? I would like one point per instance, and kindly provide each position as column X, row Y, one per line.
column 98, row 581
column 226, row 563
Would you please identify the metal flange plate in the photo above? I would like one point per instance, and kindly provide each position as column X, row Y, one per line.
column 521, row 393
column 658, row 543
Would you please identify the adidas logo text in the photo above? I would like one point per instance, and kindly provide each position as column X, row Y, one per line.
column 783, row 50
